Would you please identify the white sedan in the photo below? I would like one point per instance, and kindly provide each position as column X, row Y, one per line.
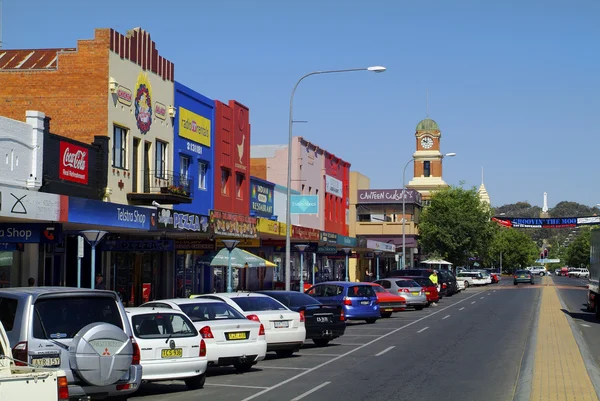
column 171, row 347
column 285, row 329
column 230, row 338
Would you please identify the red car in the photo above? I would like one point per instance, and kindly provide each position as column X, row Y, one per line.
column 388, row 303
column 430, row 289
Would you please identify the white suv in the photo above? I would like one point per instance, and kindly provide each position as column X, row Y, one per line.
column 539, row 270
column 581, row 273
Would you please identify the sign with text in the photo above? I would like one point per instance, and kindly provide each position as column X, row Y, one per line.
column 380, row 246
column 267, row 226
column 137, row 245
column 390, row 196
column 244, row 243
column 334, row 186
column 233, row 225
column 194, row 244
column 182, row 221
column 305, row 233
column 329, row 238
column 194, row 127
column 30, row 233
column 73, row 163
column 558, row 222
column 261, row 198
column 304, row 204
column 327, row 249
column 89, row 211
column 347, row 241
column 31, row 205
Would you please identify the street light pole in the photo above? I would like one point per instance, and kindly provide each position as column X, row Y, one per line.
column 230, row 244
column 377, row 253
column 347, row 250
column 404, row 206
column 288, row 217
column 93, row 237
column 301, row 248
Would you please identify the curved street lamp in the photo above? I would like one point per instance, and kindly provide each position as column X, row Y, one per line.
column 288, row 218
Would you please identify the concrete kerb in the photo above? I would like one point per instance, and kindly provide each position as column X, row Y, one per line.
column 525, row 374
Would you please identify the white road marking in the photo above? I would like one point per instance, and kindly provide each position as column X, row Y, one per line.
column 423, row 329
column 301, row 396
column 361, row 335
column 462, row 308
column 354, row 345
column 494, row 291
column 489, row 293
column 234, row 385
column 337, row 357
column 262, row 366
column 331, row 355
column 446, row 317
column 481, row 297
column 585, row 325
column 385, row 350
column 473, row 302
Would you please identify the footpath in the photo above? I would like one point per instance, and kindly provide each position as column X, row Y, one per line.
column 559, row 372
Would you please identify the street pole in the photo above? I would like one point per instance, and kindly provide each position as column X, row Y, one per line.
column 347, row 250
column 230, row 244
column 377, row 253
column 301, row 248
column 288, row 215
column 93, row 237
column 314, row 267
column 500, row 262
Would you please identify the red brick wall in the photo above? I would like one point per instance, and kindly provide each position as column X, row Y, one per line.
column 74, row 96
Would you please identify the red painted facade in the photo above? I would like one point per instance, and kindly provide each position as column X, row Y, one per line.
column 232, row 158
column 336, row 207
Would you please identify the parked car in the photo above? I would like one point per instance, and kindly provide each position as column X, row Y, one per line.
column 523, row 276
column 358, row 300
column 323, row 322
column 579, row 272
column 446, row 279
column 408, row 288
column 171, row 347
column 388, row 302
column 470, row 278
column 285, row 330
column 431, row 291
column 231, row 338
column 75, row 330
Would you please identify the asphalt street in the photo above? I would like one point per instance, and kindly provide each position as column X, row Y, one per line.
column 469, row 347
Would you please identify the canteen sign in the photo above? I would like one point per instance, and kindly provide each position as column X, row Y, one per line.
column 304, row 204
column 73, row 163
column 388, row 196
column 261, row 198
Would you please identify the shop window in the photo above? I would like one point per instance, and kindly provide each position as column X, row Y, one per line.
column 161, row 160
column 202, row 169
column 184, row 167
column 119, row 147
column 426, row 168
column 239, row 185
column 225, row 174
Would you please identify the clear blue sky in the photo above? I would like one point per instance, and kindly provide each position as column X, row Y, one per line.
column 514, row 85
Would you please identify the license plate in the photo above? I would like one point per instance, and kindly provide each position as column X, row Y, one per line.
column 521, row 276
column 45, row 362
column 282, row 324
column 322, row 319
column 171, row 353
column 415, row 293
column 364, row 302
column 388, row 310
column 237, row 336
column 427, row 293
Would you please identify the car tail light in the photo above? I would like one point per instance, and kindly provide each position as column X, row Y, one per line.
column 444, row 285
column 342, row 315
column 347, row 301
column 253, row 317
column 515, row 276
column 125, row 386
column 302, row 318
column 63, row 388
column 19, row 352
column 205, row 332
column 202, row 348
column 261, row 330
column 403, row 290
column 137, row 355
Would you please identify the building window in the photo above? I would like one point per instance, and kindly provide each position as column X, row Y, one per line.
column 225, row 181
column 119, row 147
column 426, row 168
column 184, row 167
column 239, row 185
column 202, row 169
column 161, row 160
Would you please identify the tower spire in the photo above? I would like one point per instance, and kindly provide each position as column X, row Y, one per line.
column 481, row 175
column 427, row 103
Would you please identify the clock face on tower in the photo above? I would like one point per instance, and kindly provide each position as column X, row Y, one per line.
column 426, row 142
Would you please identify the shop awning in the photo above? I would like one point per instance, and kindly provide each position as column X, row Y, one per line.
column 239, row 258
column 435, row 262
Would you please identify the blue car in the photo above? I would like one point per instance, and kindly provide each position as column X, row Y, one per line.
column 358, row 300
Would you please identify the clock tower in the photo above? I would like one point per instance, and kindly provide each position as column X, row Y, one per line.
column 428, row 160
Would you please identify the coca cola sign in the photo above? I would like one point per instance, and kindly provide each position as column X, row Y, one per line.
column 73, row 163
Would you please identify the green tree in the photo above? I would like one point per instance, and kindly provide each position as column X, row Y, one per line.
column 456, row 225
column 578, row 252
column 517, row 248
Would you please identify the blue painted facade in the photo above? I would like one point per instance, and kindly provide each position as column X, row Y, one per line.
column 193, row 146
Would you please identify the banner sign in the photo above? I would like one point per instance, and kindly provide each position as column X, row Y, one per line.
column 261, row 198
column 381, row 246
column 74, row 163
column 137, row 245
column 334, row 186
column 194, row 244
column 347, row 241
column 244, row 243
column 329, row 238
column 304, row 204
column 277, row 243
column 31, row 205
column 544, row 261
column 327, row 249
column 558, row 222
column 30, row 233
column 266, row 226
column 232, row 225
column 88, row 211
column 389, row 196
column 174, row 220
column 305, row 233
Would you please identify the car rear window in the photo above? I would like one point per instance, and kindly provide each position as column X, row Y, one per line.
column 424, row 281
column 378, row 288
column 361, row 291
column 201, row 312
column 250, row 303
column 162, row 325
column 407, row 283
column 64, row 317
column 294, row 299
column 8, row 311
column 522, row 272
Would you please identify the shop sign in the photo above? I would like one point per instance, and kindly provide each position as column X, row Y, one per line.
column 31, row 205
column 194, row 244
column 174, row 220
column 143, row 103
column 266, row 226
column 232, row 225
column 327, row 249
column 277, row 243
column 261, row 199
column 89, row 211
column 244, row 243
column 160, row 110
column 304, row 204
column 381, row 246
column 74, row 163
column 124, row 95
column 30, row 233
column 305, row 233
column 334, row 186
column 194, row 127
column 346, row 241
column 388, row 196
column 137, row 245
column 329, row 238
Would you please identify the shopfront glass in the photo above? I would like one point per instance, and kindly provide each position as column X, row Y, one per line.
column 193, row 274
column 137, row 276
column 8, row 274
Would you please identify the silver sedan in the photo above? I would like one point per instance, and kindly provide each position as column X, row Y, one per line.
column 409, row 289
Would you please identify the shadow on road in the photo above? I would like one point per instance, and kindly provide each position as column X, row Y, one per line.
column 156, row 389
column 584, row 315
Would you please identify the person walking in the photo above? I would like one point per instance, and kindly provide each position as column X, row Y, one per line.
column 100, row 282
column 434, row 279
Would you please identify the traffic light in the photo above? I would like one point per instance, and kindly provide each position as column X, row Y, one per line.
column 541, row 255
column 545, row 253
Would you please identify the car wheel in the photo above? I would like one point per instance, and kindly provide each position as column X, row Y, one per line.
column 466, row 284
column 320, row 342
column 371, row 321
column 418, row 308
column 516, row 283
column 386, row 315
column 243, row 367
column 196, row 383
column 285, row 353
